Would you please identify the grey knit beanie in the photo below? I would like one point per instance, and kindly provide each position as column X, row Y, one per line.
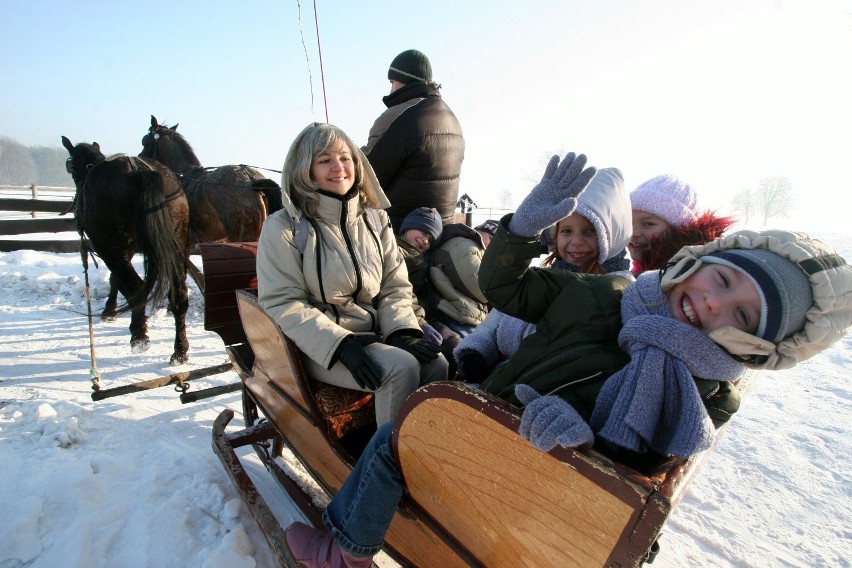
column 667, row 197
column 426, row 219
column 410, row 66
column 784, row 290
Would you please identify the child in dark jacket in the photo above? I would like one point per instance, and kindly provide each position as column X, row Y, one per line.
column 443, row 266
column 763, row 300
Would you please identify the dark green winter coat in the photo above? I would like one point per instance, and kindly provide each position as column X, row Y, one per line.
column 578, row 318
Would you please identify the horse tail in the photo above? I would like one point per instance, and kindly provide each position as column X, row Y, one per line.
column 165, row 258
column 271, row 191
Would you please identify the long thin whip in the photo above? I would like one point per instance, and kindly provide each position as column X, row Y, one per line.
column 93, row 370
column 319, row 50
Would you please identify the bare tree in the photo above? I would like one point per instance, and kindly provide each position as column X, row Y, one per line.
column 745, row 202
column 16, row 163
column 774, row 197
column 24, row 165
column 504, row 199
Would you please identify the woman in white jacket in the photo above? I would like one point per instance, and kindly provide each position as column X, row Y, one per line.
column 330, row 275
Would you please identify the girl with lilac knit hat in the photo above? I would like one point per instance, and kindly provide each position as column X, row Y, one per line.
column 665, row 219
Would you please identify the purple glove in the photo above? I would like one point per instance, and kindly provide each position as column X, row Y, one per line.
column 431, row 334
column 549, row 420
column 555, row 196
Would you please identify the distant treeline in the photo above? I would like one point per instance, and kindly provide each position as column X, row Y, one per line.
column 26, row 165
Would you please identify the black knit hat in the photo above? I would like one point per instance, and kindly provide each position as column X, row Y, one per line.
column 490, row 227
column 410, row 66
column 426, row 219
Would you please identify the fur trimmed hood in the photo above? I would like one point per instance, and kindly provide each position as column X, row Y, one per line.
column 828, row 318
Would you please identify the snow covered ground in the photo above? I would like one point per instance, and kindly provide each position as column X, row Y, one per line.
column 132, row 481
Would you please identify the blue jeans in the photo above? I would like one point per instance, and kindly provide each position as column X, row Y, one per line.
column 360, row 514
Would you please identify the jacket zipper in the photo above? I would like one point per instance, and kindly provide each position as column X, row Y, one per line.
column 558, row 359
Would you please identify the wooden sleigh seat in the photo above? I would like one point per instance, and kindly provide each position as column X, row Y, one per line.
column 479, row 494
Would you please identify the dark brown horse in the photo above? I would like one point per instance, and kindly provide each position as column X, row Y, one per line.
column 226, row 203
column 126, row 205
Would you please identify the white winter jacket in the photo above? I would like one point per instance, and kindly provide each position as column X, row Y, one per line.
column 349, row 279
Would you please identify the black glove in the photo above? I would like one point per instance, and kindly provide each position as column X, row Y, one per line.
column 472, row 366
column 354, row 357
column 423, row 349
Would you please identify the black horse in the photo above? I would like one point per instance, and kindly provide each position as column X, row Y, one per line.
column 227, row 203
column 126, row 205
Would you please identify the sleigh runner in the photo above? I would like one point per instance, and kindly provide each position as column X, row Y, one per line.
column 479, row 494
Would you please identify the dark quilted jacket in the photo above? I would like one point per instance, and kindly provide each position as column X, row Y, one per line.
column 418, row 158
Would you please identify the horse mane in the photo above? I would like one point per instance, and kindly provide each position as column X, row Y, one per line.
column 184, row 148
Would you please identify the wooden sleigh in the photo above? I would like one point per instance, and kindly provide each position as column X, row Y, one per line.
column 479, row 494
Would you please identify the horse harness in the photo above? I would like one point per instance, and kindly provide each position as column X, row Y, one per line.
column 136, row 164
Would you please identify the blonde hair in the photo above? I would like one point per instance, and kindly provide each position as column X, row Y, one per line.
column 315, row 139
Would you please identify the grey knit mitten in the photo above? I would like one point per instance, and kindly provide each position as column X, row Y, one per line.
column 431, row 334
column 555, row 196
column 549, row 420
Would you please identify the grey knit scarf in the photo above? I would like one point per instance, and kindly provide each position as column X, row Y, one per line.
column 653, row 402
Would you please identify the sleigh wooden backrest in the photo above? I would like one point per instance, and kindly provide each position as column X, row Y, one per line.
column 467, row 467
column 277, row 356
column 227, row 267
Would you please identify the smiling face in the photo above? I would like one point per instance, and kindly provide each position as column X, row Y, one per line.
column 577, row 240
column 645, row 227
column 418, row 239
column 716, row 296
column 334, row 169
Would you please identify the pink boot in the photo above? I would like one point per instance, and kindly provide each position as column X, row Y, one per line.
column 314, row 548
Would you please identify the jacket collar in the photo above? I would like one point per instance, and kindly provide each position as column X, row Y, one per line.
column 331, row 207
column 411, row 91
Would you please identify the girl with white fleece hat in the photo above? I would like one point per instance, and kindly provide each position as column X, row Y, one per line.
column 591, row 240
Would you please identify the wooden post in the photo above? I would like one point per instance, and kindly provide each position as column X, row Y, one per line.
column 34, row 189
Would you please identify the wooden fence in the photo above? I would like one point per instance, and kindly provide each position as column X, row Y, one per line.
column 31, row 209
column 27, row 212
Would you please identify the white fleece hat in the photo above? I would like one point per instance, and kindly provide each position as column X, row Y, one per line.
column 667, row 197
column 605, row 204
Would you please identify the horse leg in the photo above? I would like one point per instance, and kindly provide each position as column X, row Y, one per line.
column 109, row 313
column 130, row 284
column 179, row 305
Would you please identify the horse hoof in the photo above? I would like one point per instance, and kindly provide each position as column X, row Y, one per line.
column 108, row 317
column 139, row 345
column 179, row 359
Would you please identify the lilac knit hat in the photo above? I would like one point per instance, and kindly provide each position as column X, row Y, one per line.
column 667, row 197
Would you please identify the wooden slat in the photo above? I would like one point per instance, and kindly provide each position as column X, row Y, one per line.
column 37, row 205
column 26, row 226
column 9, row 245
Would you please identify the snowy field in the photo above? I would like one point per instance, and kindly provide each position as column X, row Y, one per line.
column 133, row 481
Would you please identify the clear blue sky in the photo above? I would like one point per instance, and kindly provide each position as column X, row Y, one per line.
column 722, row 93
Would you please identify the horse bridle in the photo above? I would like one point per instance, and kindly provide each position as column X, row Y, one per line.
column 69, row 167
